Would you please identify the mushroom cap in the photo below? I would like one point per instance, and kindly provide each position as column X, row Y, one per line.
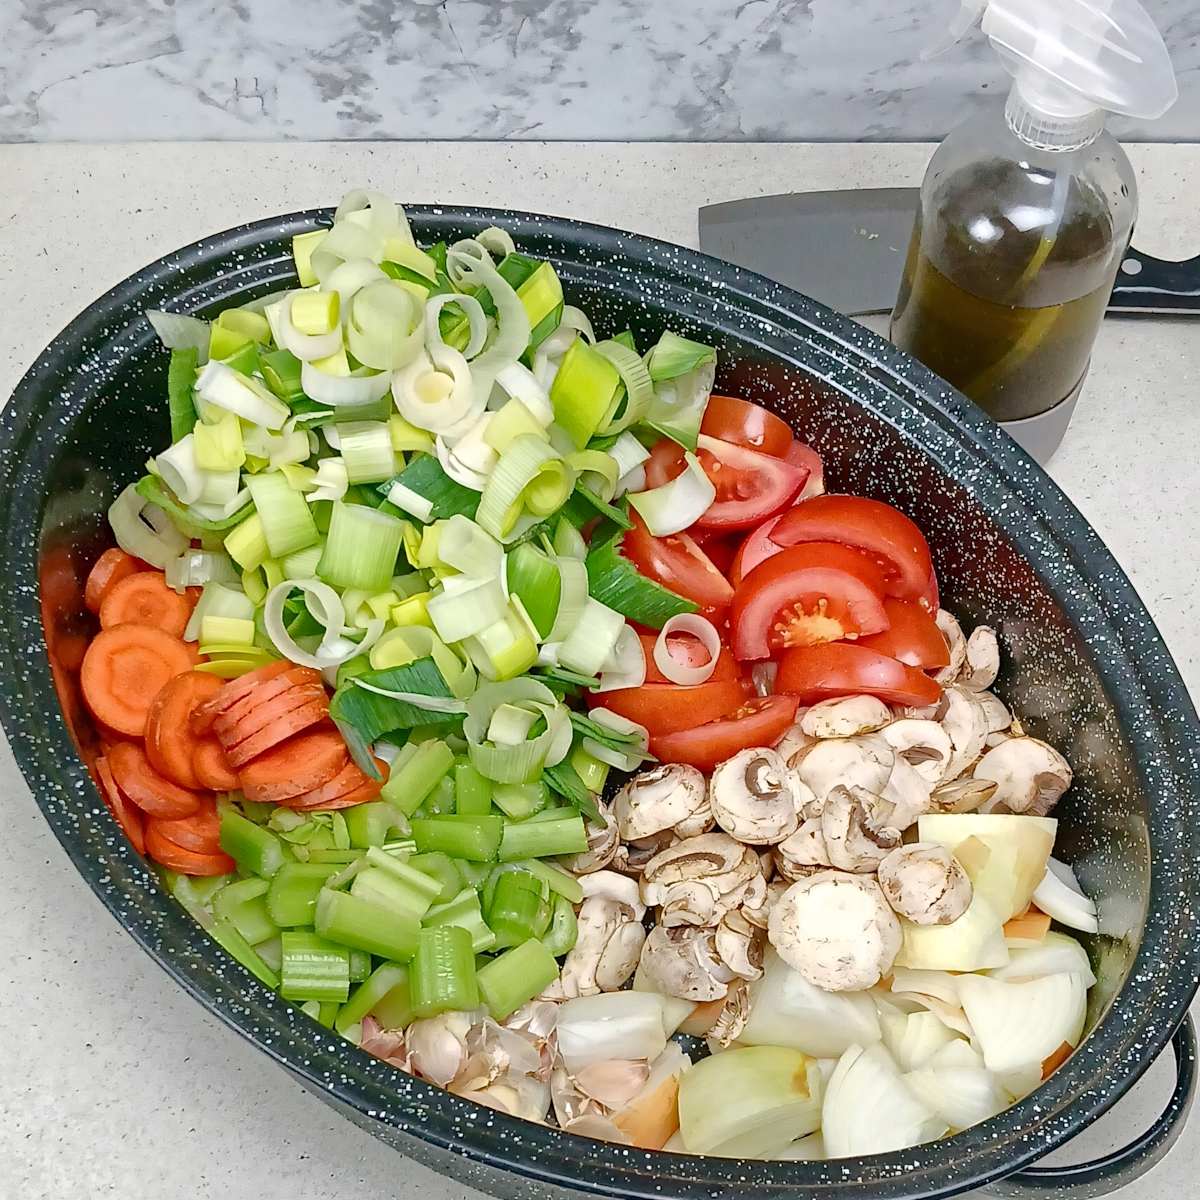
column 612, row 885
column 857, row 828
column 981, row 660
column 995, row 711
column 924, row 745
column 698, row 880
column 683, row 961
column 797, row 855
column 603, row 839
column 864, row 762
column 660, row 799
column 793, row 741
column 754, row 798
column 966, row 724
column 739, row 946
column 845, row 716
column 961, row 795
column 908, row 792
column 1029, row 775
column 609, row 938
column 837, row 930
column 947, row 622
column 925, row 883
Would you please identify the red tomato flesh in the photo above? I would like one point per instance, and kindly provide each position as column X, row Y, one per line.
column 800, row 455
column 817, row 592
column 758, row 722
column 667, row 707
column 912, row 637
column 679, row 564
column 880, row 531
column 813, row 673
column 757, row 548
column 688, row 651
column 746, row 424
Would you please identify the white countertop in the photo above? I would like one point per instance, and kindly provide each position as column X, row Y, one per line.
column 114, row 1082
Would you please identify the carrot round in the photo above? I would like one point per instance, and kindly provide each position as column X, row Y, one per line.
column 201, row 832
column 171, row 745
column 279, row 683
column 278, row 731
column 110, row 568
column 301, row 764
column 235, row 690
column 213, row 769
column 185, row 861
column 125, row 814
column 145, row 599
column 150, row 791
column 231, row 731
column 123, row 670
column 349, row 786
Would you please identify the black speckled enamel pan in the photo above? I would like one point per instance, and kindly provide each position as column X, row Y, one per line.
column 1084, row 668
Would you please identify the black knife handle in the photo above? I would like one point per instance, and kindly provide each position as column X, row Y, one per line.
column 1155, row 285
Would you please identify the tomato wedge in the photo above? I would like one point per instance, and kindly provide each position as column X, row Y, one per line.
column 756, row 548
column 667, row 708
column 746, row 424
column 758, row 722
column 750, row 486
column 912, row 637
column 689, row 651
column 818, row 592
column 800, row 455
column 679, row 564
column 813, row 673
column 877, row 529
column 720, row 547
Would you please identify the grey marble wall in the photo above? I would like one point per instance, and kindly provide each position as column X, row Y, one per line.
column 555, row 69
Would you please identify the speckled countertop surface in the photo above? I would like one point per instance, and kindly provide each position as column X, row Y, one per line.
column 115, row 1083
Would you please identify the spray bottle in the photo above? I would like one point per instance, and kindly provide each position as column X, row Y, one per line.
column 1026, row 213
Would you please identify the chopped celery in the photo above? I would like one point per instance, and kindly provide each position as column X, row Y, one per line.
column 442, row 978
column 292, row 898
column 420, row 882
column 463, row 910
column 387, row 988
column 515, row 977
column 363, row 925
column 257, row 851
column 472, row 792
column 563, row 932
column 409, row 784
column 369, row 823
column 361, row 549
column 555, row 878
column 227, row 937
column 313, row 969
column 520, row 800
column 360, row 965
column 477, row 839
column 585, row 389
column 441, row 869
column 514, row 912
column 181, row 377
column 380, row 887
column 243, row 904
column 542, row 839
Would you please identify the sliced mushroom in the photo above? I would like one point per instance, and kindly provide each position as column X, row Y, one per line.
column 803, row 852
column 739, row 946
column 603, row 839
column 1029, row 775
column 734, row 1014
column 845, row 717
column 669, row 797
column 753, row 797
column 961, row 796
column 610, row 885
column 793, row 741
column 947, row 622
column 857, row 829
column 683, row 961
column 631, row 858
column 907, row 791
column 609, row 940
column 966, row 724
column 864, row 762
column 759, row 913
column 925, row 883
column 924, row 745
column 982, row 660
column 698, row 880
column 837, row 930
column 996, row 711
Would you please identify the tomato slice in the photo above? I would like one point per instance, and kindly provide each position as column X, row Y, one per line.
column 750, row 486
column 912, row 637
column 758, row 722
column 667, row 707
column 818, row 592
column 756, row 548
column 800, row 455
column 679, row 564
column 690, row 653
column 746, row 424
column 877, row 529
column 813, row 673
column 720, row 547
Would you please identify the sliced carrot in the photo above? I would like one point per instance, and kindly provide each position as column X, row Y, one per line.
column 285, row 681
column 149, row 790
column 185, row 861
column 212, row 767
column 360, row 795
column 231, row 732
column 1031, row 926
column 125, row 814
column 145, row 599
column 301, row 764
column 350, row 785
column 109, row 569
column 237, row 689
column 1056, row 1060
column 170, row 743
column 278, row 731
column 200, row 832
column 123, row 670
column 702, row 1018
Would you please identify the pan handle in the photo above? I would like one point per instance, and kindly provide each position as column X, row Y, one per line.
column 1155, row 286
column 1121, row 1167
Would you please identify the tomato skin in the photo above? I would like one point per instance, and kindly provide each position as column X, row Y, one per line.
column 801, row 455
column 667, row 707
column 690, row 653
column 719, row 547
column 880, row 531
column 842, row 584
column 746, row 424
column 679, row 564
column 912, row 637
column 756, row 548
column 813, row 673
column 762, row 722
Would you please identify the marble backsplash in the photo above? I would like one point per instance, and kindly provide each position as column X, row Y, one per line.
column 492, row 69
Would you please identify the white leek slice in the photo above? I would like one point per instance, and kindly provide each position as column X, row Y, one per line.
column 441, row 704
column 350, row 278
column 180, row 471
column 456, row 469
column 461, row 614
column 467, row 548
column 384, row 326
column 218, row 600
column 179, row 332
column 518, row 382
column 367, row 452
column 326, row 608
column 222, row 386
column 626, row 666
column 612, row 1025
column 1055, row 953
column 496, row 241
column 633, row 404
column 348, row 239
column 331, row 481
column 572, row 596
column 628, row 453
column 701, row 629
column 195, row 568
column 337, row 390
column 678, row 504
column 1017, row 1024
column 591, row 642
column 631, row 481
column 305, row 346
column 384, row 216
column 158, row 543
column 436, row 395
column 869, row 1109
column 412, row 502
column 1060, row 896
column 471, row 309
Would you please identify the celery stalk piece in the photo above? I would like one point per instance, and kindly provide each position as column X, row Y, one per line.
column 257, row 851
column 361, row 548
column 383, row 889
column 442, row 978
column 542, row 839
column 463, row 910
column 386, row 987
column 516, row 976
column 514, row 910
column 363, row 925
column 410, row 783
column 292, row 898
column 561, row 882
column 441, row 869
column 369, row 823
column 520, row 800
column 287, row 521
column 419, row 882
column 564, row 928
column 476, row 839
column 360, row 965
column 227, row 937
column 313, row 969
column 244, row 905
column 472, row 792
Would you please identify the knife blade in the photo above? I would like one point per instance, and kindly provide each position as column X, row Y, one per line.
column 847, row 249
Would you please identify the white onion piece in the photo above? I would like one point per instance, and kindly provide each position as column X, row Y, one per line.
column 519, row 382
column 914, row 1038
column 624, row 1025
column 327, row 609
column 179, row 332
column 787, row 1010
column 961, row 1096
column 869, row 1109
column 337, row 390
column 472, row 310
column 678, row 504
column 763, row 675
column 435, row 392
column 129, row 515
column 1055, row 953
column 349, row 278
column 1016, row 1024
column 626, row 666
column 306, row 346
column 704, row 631
column 1060, row 896
column 412, row 502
